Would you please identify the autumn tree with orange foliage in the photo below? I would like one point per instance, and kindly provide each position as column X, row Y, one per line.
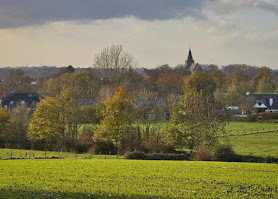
column 169, row 82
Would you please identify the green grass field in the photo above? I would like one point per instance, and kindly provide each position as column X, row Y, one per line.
column 239, row 127
column 100, row 176
column 70, row 178
column 261, row 144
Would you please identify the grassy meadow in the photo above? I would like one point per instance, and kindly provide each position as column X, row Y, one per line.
column 71, row 178
column 104, row 176
column 261, row 144
column 247, row 127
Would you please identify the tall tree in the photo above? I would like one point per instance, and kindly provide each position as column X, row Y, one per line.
column 169, row 82
column 113, row 61
column 197, row 122
column 83, row 85
column 264, row 81
column 46, row 125
column 17, row 135
column 238, row 86
column 13, row 79
column 201, row 82
column 118, row 115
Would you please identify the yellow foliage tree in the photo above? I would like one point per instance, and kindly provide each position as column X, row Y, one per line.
column 118, row 115
column 46, row 125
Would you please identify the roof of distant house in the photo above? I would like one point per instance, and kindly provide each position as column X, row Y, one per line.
column 30, row 99
column 149, row 72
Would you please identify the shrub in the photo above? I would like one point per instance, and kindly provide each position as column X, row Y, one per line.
column 202, row 155
column 224, row 153
column 85, row 142
column 262, row 117
column 104, row 148
column 259, row 118
column 156, row 156
column 251, row 118
column 238, row 119
column 136, row 156
column 161, row 156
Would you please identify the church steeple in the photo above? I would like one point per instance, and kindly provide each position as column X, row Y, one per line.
column 189, row 60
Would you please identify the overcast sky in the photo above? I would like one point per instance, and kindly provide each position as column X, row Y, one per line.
column 155, row 32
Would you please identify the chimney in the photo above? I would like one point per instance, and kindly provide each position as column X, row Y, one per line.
column 270, row 102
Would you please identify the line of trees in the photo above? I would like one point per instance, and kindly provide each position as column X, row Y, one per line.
column 118, row 124
column 127, row 104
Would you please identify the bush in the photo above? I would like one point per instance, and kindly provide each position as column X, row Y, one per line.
column 238, row 119
column 224, row 153
column 136, row 156
column 156, row 156
column 262, row 117
column 104, row 148
column 251, row 118
column 202, row 155
column 85, row 142
column 259, row 118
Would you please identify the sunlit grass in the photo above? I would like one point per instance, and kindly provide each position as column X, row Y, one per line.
column 79, row 178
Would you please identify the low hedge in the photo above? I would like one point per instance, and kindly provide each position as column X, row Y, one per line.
column 156, row 156
column 224, row 154
column 262, row 117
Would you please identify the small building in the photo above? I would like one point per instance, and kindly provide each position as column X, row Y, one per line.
column 262, row 102
column 29, row 99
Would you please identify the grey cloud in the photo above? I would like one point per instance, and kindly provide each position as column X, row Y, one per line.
column 266, row 5
column 16, row 13
column 229, row 6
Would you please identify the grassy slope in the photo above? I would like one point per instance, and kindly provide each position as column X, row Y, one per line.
column 262, row 144
column 248, row 126
column 135, row 179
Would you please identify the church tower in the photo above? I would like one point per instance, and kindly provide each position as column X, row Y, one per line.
column 189, row 60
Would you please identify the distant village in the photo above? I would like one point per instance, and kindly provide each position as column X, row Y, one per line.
column 22, row 84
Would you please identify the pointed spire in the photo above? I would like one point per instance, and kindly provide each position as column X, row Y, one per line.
column 189, row 60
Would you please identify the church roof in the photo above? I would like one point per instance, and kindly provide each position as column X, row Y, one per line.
column 195, row 67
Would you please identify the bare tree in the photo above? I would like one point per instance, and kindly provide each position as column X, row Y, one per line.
column 113, row 61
